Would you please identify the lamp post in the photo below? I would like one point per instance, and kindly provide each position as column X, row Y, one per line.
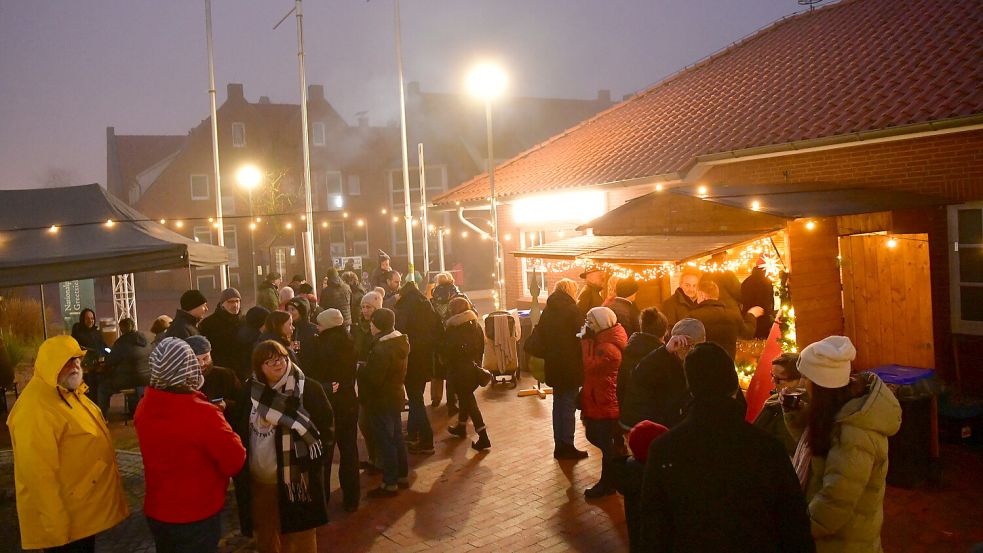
column 487, row 81
column 249, row 177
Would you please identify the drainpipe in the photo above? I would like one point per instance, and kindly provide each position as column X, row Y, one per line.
column 470, row 225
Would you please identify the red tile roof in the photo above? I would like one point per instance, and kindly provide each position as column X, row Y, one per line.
column 854, row 66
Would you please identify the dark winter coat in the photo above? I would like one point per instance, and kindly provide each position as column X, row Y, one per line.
column 441, row 297
column 628, row 473
column 184, row 325
column 461, row 349
column 588, row 299
column 380, row 381
column 416, row 319
column 294, row 516
column 602, row 358
column 337, row 295
column 362, row 336
column 246, row 339
column 716, row 483
column 724, row 325
column 267, row 296
column 222, row 383
column 221, row 329
column 128, row 364
column 334, row 361
column 627, row 313
column 89, row 338
column 639, row 345
column 378, row 278
column 677, row 307
column 657, row 392
column 757, row 290
column 771, row 419
column 559, row 347
column 729, row 286
column 355, row 305
column 304, row 332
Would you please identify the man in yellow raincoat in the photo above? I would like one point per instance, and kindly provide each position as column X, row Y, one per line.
column 67, row 480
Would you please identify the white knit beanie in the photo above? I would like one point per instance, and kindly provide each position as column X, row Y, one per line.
column 602, row 318
column 372, row 298
column 827, row 362
column 330, row 318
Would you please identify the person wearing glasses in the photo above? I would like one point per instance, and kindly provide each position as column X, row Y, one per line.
column 784, row 376
column 286, row 423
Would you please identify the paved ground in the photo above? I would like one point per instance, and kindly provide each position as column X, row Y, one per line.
column 517, row 498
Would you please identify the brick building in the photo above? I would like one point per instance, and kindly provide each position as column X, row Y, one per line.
column 867, row 94
column 356, row 180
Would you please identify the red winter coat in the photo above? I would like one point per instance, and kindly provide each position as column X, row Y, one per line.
column 602, row 357
column 189, row 454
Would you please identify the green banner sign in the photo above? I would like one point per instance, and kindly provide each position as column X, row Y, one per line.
column 74, row 296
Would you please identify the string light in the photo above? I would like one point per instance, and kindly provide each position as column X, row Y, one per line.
column 810, row 225
column 658, row 188
column 755, row 205
column 179, row 224
column 384, row 211
column 464, row 234
column 289, row 226
column 345, row 215
column 252, row 226
column 110, row 223
column 702, row 190
column 360, row 223
column 163, row 221
column 53, row 229
column 324, row 224
column 892, row 243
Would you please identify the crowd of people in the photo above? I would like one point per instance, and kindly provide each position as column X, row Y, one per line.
column 266, row 397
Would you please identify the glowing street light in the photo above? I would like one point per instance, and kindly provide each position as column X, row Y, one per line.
column 249, row 178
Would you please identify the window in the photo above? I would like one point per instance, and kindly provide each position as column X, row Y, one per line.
column 966, row 268
column 336, row 237
column 360, row 241
column 205, row 284
column 238, row 135
column 436, row 184
column 232, row 244
column 530, row 239
column 328, row 191
column 280, row 254
column 203, row 235
column 354, row 185
column 199, row 187
column 317, row 134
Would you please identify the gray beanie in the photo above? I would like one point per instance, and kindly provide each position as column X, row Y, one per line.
column 228, row 294
column 330, row 318
column 199, row 344
column 372, row 298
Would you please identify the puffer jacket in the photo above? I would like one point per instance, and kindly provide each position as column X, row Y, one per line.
column 128, row 363
column 380, row 381
column 846, row 487
column 337, row 295
column 65, row 473
column 602, row 358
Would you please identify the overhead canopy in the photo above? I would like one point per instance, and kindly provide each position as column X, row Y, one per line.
column 640, row 250
column 84, row 246
column 805, row 200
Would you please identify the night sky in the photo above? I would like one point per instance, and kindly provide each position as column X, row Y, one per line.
column 69, row 69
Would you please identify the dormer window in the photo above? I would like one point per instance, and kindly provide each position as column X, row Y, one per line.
column 238, row 135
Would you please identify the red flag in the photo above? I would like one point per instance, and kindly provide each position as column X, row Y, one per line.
column 760, row 387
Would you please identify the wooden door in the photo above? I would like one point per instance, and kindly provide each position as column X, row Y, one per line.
column 887, row 302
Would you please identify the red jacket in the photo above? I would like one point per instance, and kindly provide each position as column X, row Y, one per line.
column 602, row 357
column 189, row 454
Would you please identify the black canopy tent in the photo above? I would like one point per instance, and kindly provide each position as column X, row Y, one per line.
column 58, row 234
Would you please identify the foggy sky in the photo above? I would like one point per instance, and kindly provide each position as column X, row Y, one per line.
column 69, row 69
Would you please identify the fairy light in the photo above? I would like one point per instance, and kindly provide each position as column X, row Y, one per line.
column 658, row 188
column 360, row 222
column 163, row 221
column 508, row 237
column 252, row 226
column 179, row 224
column 324, row 224
column 53, row 229
column 110, row 223
column 702, row 190
column 464, row 234
column 755, row 205
column 810, row 225
column 289, row 226
column 384, row 211
column 892, row 243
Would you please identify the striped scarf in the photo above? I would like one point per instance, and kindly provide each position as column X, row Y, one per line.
column 300, row 442
column 174, row 367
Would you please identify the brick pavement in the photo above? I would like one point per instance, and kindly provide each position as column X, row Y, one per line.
column 516, row 497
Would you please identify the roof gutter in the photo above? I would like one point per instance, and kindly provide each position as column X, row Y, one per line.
column 703, row 163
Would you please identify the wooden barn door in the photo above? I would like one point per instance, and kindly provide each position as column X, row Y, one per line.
column 887, row 304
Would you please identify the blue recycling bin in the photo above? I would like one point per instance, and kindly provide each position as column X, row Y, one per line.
column 913, row 451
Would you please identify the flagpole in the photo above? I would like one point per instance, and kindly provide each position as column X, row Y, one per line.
column 407, row 207
column 308, row 235
column 223, row 271
column 423, row 216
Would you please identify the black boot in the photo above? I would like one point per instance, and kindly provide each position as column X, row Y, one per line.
column 461, row 430
column 603, row 486
column 483, row 443
column 568, row 452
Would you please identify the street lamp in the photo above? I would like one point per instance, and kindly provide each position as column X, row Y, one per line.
column 486, row 81
column 249, row 177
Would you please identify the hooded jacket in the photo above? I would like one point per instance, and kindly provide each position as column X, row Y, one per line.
column 337, row 295
column 334, row 361
column 441, row 297
column 602, row 356
column 128, row 363
column 304, row 332
column 416, row 319
column 677, row 307
column 65, row 473
column 221, row 329
column 758, row 291
column 246, row 338
column 380, row 382
column 627, row 313
column 267, row 296
column 658, row 391
column 557, row 334
column 462, row 348
column 846, row 487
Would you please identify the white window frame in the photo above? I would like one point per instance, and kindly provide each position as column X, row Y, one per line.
column 199, row 232
column 959, row 325
column 238, row 134
column 208, row 187
column 526, row 264
column 234, row 280
column 353, row 185
column 318, row 134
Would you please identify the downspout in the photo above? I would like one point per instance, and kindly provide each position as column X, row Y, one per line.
column 472, row 226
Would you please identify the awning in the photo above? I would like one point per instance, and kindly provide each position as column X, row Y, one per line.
column 810, row 200
column 637, row 250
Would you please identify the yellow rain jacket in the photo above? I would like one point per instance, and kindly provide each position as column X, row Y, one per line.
column 65, row 472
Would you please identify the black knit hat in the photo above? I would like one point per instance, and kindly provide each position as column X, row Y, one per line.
column 710, row 372
column 626, row 287
column 384, row 319
column 192, row 299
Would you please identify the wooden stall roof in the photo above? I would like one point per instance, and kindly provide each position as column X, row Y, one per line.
column 639, row 250
column 805, row 200
column 665, row 213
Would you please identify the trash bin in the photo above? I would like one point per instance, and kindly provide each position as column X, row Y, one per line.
column 525, row 329
column 913, row 452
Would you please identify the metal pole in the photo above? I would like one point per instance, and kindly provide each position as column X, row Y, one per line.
column 407, row 208
column 440, row 247
column 252, row 243
column 499, row 272
column 44, row 318
column 223, row 269
column 423, row 215
column 309, row 263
